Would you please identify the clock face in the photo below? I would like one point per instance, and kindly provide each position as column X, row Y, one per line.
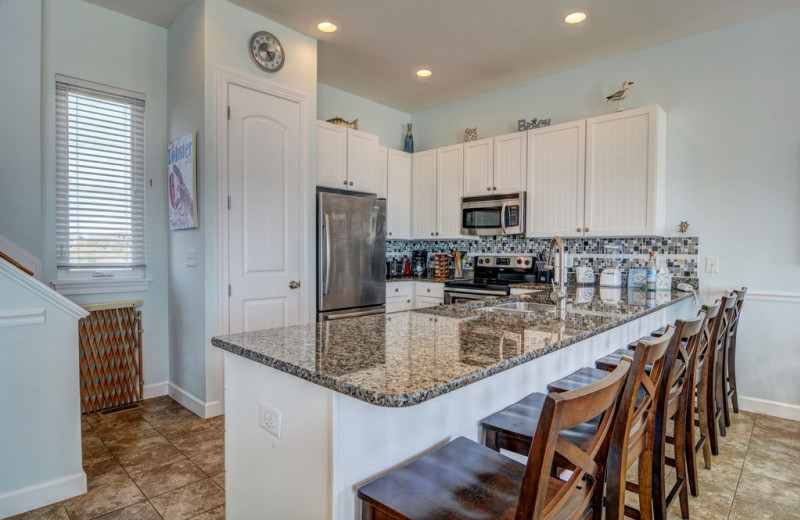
column 266, row 51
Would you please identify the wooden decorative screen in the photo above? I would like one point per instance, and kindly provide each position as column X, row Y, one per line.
column 111, row 356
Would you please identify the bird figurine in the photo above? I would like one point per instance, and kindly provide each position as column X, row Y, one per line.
column 620, row 95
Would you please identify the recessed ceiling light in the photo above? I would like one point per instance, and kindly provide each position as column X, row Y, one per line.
column 327, row 27
column 576, row 17
column 424, row 73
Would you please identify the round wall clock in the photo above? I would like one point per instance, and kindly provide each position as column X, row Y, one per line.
column 266, row 51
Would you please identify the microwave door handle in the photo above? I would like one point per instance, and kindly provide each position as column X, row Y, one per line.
column 503, row 217
column 327, row 233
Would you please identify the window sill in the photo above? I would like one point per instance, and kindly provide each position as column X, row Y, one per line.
column 101, row 286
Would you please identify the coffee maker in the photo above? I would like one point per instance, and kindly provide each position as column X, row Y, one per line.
column 419, row 263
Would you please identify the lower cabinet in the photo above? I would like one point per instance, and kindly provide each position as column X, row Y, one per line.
column 406, row 296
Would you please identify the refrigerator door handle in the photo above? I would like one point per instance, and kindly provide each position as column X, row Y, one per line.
column 327, row 233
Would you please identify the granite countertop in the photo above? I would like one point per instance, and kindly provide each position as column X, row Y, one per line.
column 405, row 358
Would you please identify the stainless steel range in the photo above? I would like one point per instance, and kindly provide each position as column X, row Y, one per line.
column 493, row 276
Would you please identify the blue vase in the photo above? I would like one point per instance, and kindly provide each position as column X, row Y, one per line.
column 409, row 144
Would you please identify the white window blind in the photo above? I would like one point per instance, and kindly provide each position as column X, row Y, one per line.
column 99, row 177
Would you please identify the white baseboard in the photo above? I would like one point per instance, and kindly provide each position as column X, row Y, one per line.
column 773, row 408
column 198, row 406
column 156, row 390
column 40, row 495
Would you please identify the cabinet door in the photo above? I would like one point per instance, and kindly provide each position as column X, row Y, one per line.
column 423, row 198
column 422, row 302
column 331, row 155
column 398, row 195
column 383, row 166
column 449, row 188
column 398, row 304
column 625, row 173
column 362, row 161
column 510, row 162
column 478, row 167
column 557, row 159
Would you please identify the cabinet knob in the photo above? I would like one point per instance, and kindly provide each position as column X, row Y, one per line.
column 390, row 233
column 431, row 233
column 345, row 183
column 396, row 289
column 428, row 290
column 488, row 188
column 493, row 187
column 351, row 183
column 586, row 229
column 294, row 285
column 408, row 301
column 437, row 233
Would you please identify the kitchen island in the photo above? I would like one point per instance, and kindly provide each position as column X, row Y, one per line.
column 358, row 397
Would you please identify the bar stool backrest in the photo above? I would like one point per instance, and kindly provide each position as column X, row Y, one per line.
column 563, row 411
column 633, row 428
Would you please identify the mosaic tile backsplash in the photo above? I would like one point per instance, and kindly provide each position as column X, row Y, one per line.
column 679, row 253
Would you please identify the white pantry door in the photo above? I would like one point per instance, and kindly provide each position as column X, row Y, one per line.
column 265, row 215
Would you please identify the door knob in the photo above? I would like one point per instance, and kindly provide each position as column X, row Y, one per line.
column 294, row 285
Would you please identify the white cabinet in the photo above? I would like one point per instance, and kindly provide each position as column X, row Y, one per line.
column 510, row 162
column 399, row 296
column 626, row 173
column 603, row 176
column 478, row 167
column 423, row 199
column 331, row 155
column 557, row 157
column 496, row 165
column 347, row 159
column 428, row 294
column 449, row 189
column 398, row 195
column 383, row 169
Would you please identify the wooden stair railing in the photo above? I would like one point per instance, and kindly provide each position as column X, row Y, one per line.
column 15, row 264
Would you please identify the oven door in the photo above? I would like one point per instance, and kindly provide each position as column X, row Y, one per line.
column 460, row 295
column 493, row 215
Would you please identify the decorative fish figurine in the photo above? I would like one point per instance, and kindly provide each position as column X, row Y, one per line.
column 341, row 122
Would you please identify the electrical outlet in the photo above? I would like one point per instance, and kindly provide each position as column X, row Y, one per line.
column 712, row 264
column 269, row 420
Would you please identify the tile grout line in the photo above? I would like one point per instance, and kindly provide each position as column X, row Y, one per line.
column 741, row 470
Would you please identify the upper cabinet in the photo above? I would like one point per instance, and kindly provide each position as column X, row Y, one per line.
column 423, row 199
column 383, row 170
column 347, row 159
column 510, row 162
column 478, row 167
column 626, row 173
column 398, row 195
column 449, row 189
column 495, row 165
column 557, row 162
column 603, row 176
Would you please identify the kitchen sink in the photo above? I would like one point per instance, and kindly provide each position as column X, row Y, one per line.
column 520, row 307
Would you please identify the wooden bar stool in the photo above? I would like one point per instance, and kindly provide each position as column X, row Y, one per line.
column 703, row 377
column 715, row 407
column 674, row 407
column 730, row 358
column 514, row 427
column 465, row 480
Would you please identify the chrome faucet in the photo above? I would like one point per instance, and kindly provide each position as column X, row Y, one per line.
column 559, row 294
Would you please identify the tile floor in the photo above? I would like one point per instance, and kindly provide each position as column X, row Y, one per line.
column 157, row 461
column 162, row 461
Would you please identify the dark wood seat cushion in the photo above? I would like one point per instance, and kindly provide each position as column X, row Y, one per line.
column 521, row 419
column 460, row 480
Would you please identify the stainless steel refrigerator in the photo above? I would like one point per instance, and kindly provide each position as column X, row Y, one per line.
column 351, row 256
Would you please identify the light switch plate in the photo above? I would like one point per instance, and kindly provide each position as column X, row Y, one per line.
column 712, row 264
column 191, row 257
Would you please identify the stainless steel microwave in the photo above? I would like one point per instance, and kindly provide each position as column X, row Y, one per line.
column 502, row 214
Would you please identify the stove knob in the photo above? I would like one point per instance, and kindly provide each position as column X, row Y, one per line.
column 519, row 260
column 527, row 262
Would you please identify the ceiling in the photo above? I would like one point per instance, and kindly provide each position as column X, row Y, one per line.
column 472, row 46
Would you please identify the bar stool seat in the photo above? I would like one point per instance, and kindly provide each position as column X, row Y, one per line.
column 514, row 427
column 450, row 481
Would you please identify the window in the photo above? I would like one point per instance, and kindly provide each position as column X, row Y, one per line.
column 99, row 181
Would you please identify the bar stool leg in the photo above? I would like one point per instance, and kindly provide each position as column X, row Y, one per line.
column 732, row 375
